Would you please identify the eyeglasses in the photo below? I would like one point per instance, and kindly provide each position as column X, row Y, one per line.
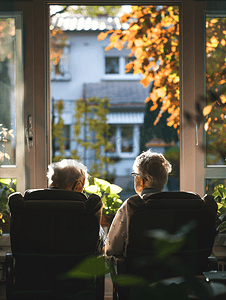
column 136, row 174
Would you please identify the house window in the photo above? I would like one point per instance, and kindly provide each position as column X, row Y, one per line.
column 122, row 140
column 61, row 71
column 127, row 138
column 66, row 139
column 112, row 139
column 111, row 65
column 117, row 65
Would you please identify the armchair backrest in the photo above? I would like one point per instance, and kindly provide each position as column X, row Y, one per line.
column 51, row 232
column 171, row 213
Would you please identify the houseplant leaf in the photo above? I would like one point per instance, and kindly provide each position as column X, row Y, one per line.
column 103, row 184
column 91, row 189
column 115, row 189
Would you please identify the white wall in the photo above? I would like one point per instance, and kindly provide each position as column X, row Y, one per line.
column 87, row 65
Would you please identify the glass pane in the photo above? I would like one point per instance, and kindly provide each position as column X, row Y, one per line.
column 127, row 139
column 114, row 107
column 212, row 183
column 112, row 65
column 7, row 88
column 215, row 89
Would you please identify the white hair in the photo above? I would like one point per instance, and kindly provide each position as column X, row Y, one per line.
column 154, row 168
column 65, row 172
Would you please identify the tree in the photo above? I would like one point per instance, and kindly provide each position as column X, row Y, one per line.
column 57, row 131
column 91, row 131
column 153, row 38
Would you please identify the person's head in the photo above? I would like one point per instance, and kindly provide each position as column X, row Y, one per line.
column 67, row 174
column 150, row 170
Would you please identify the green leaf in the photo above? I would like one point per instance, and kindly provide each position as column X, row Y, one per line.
column 6, row 181
column 108, row 190
column 91, row 189
column 222, row 227
column 115, row 189
column 89, row 267
column 130, row 280
column 102, row 183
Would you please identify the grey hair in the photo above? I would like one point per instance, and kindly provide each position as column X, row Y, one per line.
column 154, row 167
column 65, row 172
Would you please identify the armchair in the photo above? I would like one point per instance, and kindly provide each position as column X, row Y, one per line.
column 164, row 218
column 51, row 232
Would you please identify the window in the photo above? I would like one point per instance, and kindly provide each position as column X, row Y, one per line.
column 215, row 134
column 12, row 130
column 111, row 65
column 127, row 138
column 61, row 71
column 117, row 65
column 122, row 140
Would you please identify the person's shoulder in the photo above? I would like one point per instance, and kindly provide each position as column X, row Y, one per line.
column 210, row 202
column 135, row 201
column 94, row 202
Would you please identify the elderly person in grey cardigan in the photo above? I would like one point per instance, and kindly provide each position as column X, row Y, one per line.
column 150, row 172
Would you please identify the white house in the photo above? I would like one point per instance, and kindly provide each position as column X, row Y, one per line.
column 87, row 70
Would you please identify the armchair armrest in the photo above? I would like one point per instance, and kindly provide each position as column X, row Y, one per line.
column 212, row 263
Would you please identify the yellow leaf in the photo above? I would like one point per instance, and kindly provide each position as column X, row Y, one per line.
column 223, row 99
column 213, row 21
column 102, row 36
column 214, row 41
column 161, row 92
column 223, row 42
column 206, row 126
column 207, row 110
column 135, row 27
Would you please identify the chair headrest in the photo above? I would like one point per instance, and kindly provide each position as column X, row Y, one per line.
column 53, row 194
column 177, row 200
column 54, row 206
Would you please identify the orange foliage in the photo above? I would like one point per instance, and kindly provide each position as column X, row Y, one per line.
column 153, row 39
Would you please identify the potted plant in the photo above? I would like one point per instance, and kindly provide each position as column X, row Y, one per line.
column 219, row 248
column 5, row 190
column 220, row 197
column 109, row 195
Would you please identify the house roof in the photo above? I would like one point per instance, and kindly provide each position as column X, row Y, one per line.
column 69, row 22
column 120, row 93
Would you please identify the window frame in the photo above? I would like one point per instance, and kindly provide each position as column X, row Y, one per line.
column 192, row 171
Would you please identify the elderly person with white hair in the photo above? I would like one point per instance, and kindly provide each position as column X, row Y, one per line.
column 150, row 172
column 69, row 174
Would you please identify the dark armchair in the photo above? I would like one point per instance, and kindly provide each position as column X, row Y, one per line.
column 51, row 232
column 165, row 217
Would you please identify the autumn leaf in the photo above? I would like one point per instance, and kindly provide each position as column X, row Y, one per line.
column 207, row 109
column 109, row 47
column 102, row 36
column 153, row 107
column 223, row 99
column 161, row 92
column 145, row 81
